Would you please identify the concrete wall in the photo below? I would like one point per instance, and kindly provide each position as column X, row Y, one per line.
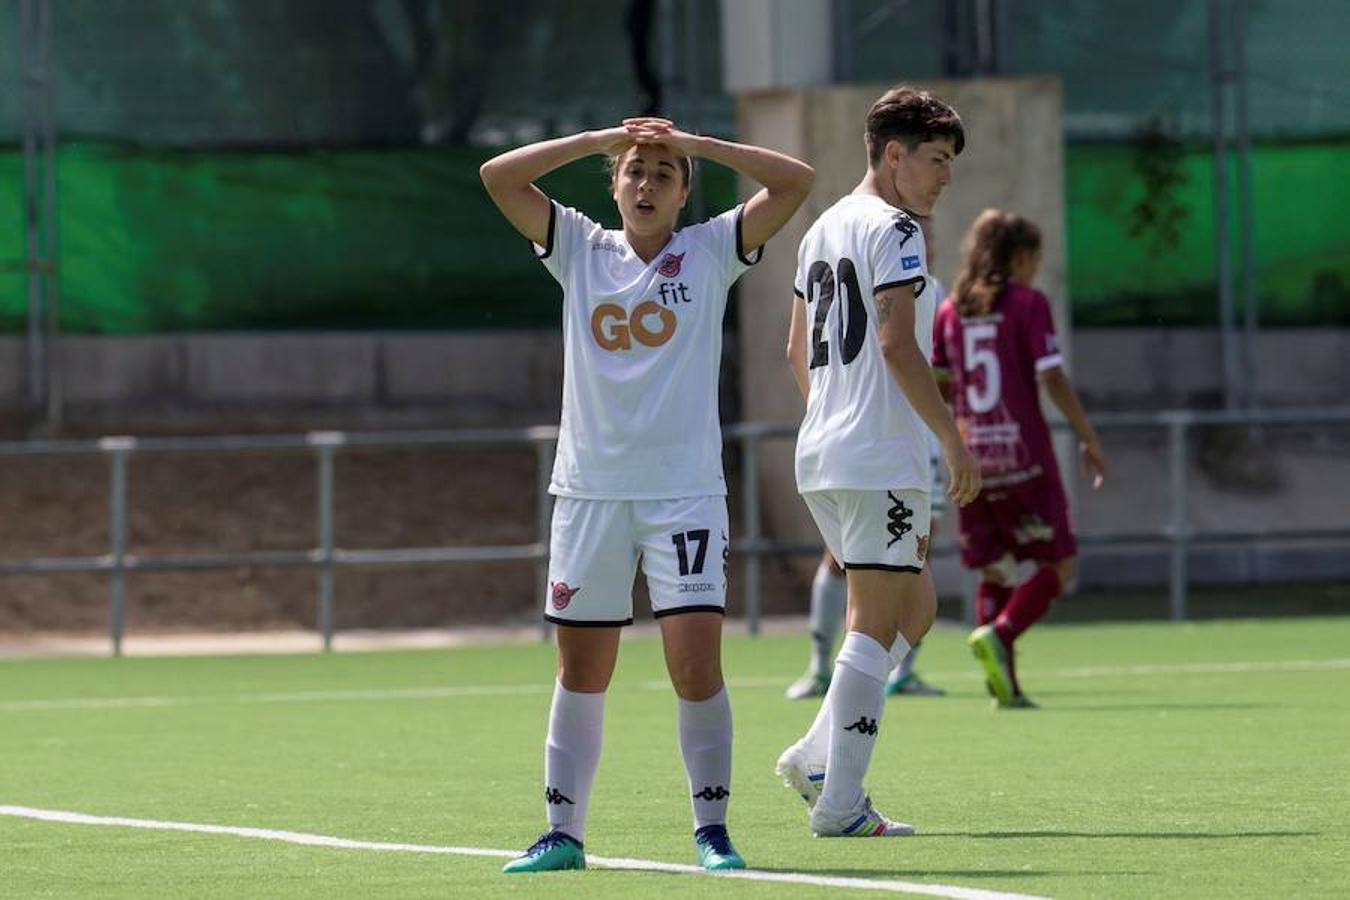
column 1176, row 368
column 486, row 377
column 497, row 376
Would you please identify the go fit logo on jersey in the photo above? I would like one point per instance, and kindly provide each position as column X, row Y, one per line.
column 651, row 324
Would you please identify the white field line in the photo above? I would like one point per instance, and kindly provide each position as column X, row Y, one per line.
column 762, row 681
column 640, row 865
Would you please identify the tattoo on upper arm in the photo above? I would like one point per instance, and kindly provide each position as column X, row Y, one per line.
column 884, row 303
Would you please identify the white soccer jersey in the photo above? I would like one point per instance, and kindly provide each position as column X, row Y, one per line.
column 860, row 431
column 642, row 346
column 924, row 313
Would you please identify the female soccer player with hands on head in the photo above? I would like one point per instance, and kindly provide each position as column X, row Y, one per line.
column 638, row 474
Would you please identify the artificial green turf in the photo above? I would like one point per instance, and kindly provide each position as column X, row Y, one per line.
column 1174, row 781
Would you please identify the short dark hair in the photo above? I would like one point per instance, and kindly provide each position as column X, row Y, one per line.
column 911, row 117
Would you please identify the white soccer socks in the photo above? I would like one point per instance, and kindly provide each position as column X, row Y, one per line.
column 576, row 725
column 855, row 700
column 902, row 656
column 705, row 742
column 829, row 600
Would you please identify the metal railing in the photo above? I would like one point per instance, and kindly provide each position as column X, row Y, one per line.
column 326, row 557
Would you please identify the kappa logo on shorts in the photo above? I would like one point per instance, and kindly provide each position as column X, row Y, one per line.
column 562, row 594
column 922, row 551
column 670, row 265
column 899, row 515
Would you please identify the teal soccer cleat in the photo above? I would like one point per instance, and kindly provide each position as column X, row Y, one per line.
column 715, row 851
column 553, row 852
column 913, row 685
column 808, row 686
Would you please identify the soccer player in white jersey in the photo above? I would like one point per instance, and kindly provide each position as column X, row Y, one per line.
column 638, row 473
column 828, row 588
column 862, row 449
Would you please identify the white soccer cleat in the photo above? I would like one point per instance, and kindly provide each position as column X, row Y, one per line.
column 863, row 821
column 800, row 774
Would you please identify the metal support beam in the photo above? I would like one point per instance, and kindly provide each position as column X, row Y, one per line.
column 1220, row 75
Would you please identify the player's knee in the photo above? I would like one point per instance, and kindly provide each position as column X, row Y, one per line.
column 695, row 679
column 584, row 676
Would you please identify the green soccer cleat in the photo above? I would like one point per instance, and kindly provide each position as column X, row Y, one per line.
column 715, row 852
column 809, row 685
column 988, row 649
column 1018, row 701
column 553, row 852
column 913, row 685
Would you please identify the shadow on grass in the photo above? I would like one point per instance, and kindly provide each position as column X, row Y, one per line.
column 1125, row 835
column 885, row 873
column 1051, row 707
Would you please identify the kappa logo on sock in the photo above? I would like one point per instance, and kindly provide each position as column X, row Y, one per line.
column 562, row 594
column 556, row 797
column 709, row 793
column 864, row 725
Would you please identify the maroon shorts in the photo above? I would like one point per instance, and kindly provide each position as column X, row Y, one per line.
column 1030, row 520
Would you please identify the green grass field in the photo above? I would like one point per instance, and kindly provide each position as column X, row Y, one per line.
column 1198, row 760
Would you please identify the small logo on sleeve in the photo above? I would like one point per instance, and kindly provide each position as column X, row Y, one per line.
column 670, row 265
column 909, row 262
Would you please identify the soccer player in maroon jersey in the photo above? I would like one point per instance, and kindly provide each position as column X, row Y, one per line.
column 995, row 341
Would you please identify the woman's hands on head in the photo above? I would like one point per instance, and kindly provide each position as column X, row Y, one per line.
column 654, row 130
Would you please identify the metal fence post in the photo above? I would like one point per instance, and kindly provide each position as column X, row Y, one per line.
column 1180, row 528
column 544, row 451
column 326, row 442
column 118, row 448
column 750, row 527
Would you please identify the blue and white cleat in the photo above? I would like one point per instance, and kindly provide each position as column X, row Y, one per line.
column 553, row 852
column 715, row 851
column 864, row 821
column 800, row 774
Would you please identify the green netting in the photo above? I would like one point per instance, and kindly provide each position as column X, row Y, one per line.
column 156, row 241
column 1301, row 238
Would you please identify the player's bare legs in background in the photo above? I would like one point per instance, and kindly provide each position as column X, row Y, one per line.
column 829, row 605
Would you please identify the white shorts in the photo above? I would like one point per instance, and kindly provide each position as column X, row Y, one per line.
column 596, row 544
column 873, row 529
